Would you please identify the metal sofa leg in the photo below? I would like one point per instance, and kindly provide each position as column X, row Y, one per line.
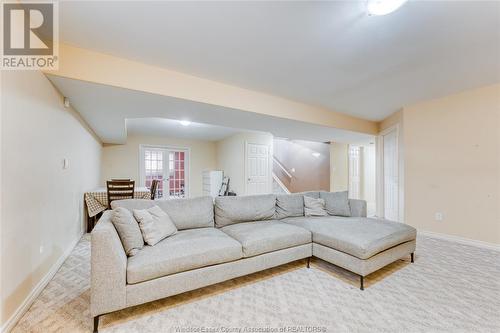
column 361, row 280
column 412, row 257
column 308, row 262
column 96, row 324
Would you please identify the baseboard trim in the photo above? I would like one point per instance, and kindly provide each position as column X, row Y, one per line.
column 461, row 240
column 24, row 307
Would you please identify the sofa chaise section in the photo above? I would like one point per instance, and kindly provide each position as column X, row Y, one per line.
column 359, row 244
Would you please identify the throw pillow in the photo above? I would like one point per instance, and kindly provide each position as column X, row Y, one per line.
column 155, row 224
column 314, row 207
column 337, row 203
column 128, row 230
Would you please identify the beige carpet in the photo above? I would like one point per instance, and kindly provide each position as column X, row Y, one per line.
column 449, row 288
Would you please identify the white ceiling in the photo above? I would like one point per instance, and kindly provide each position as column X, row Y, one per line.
column 107, row 109
column 174, row 129
column 327, row 53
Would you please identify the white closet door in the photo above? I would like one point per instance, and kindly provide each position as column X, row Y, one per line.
column 257, row 166
column 391, row 177
column 354, row 172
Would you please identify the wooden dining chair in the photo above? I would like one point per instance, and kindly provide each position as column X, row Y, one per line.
column 154, row 187
column 119, row 189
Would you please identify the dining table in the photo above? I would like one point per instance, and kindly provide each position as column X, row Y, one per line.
column 96, row 201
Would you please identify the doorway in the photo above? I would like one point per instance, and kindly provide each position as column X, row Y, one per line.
column 389, row 174
column 257, row 169
column 169, row 165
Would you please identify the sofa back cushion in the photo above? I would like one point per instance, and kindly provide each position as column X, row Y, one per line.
column 312, row 194
column 231, row 210
column 336, row 203
column 185, row 213
column 289, row 205
column 292, row 205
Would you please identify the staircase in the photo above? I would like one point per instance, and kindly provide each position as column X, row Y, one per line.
column 280, row 176
column 278, row 187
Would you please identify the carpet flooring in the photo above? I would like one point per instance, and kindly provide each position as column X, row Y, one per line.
column 450, row 288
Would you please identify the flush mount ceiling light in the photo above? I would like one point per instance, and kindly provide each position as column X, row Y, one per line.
column 185, row 122
column 315, row 154
column 383, row 7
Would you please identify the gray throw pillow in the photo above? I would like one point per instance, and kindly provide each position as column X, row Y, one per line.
column 314, row 207
column 289, row 205
column 128, row 230
column 337, row 203
column 155, row 224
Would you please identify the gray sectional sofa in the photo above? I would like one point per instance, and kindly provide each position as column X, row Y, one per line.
column 233, row 237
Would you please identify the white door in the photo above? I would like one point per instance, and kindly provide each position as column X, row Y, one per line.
column 391, row 175
column 257, row 169
column 169, row 166
column 354, row 172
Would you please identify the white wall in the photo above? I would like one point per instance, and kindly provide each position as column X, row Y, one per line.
column 231, row 157
column 42, row 203
column 122, row 161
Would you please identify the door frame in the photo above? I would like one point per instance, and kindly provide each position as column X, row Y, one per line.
column 380, row 202
column 187, row 163
column 269, row 165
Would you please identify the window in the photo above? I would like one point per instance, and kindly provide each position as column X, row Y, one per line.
column 169, row 166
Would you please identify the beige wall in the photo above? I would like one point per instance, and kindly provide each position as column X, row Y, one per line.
column 42, row 203
column 231, row 157
column 122, row 161
column 339, row 164
column 452, row 151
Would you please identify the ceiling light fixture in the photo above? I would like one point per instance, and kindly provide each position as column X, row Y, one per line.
column 316, row 155
column 185, row 122
column 383, row 7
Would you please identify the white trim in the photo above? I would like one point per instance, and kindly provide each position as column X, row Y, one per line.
column 187, row 163
column 280, row 183
column 461, row 240
column 35, row 292
column 282, row 167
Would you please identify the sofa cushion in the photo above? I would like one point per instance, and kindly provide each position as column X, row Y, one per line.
column 187, row 249
column 336, row 203
column 289, row 205
column 230, row 210
column 312, row 194
column 358, row 236
column 128, row 230
column 185, row 213
column 261, row 237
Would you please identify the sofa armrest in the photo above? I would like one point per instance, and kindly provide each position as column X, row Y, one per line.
column 358, row 208
column 108, row 268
